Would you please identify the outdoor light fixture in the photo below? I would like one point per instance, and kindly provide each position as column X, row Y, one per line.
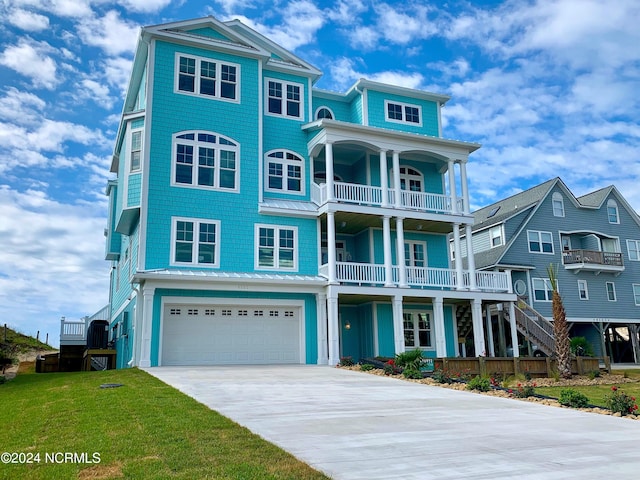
column 347, row 326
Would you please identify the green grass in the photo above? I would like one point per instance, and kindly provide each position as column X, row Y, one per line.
column 22, row 343
column 596, row 393
column 143, row 430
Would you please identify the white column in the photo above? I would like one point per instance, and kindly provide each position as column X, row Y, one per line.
column 487, row 313
column 333, row 328
column 398, row 325
column 402, row 268
column 478, row 328
column 396, row 179
column 471, row 261
column 438, row 324
column 321, row 316
column 465, row 187
column 514, row 329
column 452, row 187
column 384, row 178
column 147, row 324
column 386, row 240
column 457, row 248
column 331, row 247
column 328, row 152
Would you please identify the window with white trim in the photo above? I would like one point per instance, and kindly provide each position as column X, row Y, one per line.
column 542, row 291
column 636, row 293
column 207, row 77
column 558, row 205
column 418, row 330
column 612, row 211
column 633, row 248
column 583, row 290
column 284, row 99
column 135, row 150
column 611, row 291
column 276, row 247
column 495, row 234
column 540, row 242
column 285, row 172
column 407, row 113
column 195, row 242
column 324, row 112
column 205, row 160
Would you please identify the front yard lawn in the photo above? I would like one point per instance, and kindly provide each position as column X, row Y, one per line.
column 144, row 429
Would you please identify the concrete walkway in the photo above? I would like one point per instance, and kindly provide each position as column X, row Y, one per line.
column 353, row 425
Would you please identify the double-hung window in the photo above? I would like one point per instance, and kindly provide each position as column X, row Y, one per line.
column 207, row 77
column 542, row 290
column 276, row 247
column 495, row 233
column 205, row 160
column 558, row 205
column 611, row 291
column 636, row 293
column 285, row 172
column 633, row 248
column 583, row 290
column 612, row 211
column 540, row 242
column 136, row 150
column 284, row 98
column 195, row 242
column 403, row 113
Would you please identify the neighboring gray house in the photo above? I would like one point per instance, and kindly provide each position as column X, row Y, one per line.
column 593, row 241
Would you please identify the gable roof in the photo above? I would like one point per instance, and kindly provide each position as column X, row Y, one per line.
column 595, row 199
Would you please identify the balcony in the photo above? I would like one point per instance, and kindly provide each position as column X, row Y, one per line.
column 369, row 274
column 73, row 332
column 592, row 261
column 357, row 194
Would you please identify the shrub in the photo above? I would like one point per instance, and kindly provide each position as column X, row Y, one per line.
column 555, row 374
column 346, row 361
column 580, row 347
column 412, row 359
column 390, row 368
column 365, row 367
column 411, row 372
column 619, row 402
column 479, row 383
column 523, row 391
column 442, row 376
column 572, row 398
column 593, row 374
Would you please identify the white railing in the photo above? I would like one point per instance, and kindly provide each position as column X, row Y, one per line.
column 352, row 272
column 374, row 274
column 370, row 195
column 73, row 332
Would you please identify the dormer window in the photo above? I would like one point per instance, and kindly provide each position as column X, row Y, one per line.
column 403, row 113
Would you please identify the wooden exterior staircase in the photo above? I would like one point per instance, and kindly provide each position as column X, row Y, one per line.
column 535, row 328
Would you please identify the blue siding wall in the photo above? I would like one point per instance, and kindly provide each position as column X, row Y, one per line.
column 376, row 110
column 384, row 317
column 341, row 110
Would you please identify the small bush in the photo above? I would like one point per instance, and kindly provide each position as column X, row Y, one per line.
column 411, row 372
column 619, row 402
column 412, row 359
column 523, row 391
column 555, row 374
column 390, row 368
column 593, row 374
column 580, row 347
column 572, row 398
column 442, row 376
column 479, row 383
column 346, row 361
column 365, row 367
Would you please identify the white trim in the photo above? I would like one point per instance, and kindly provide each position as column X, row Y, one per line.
column 323, row 107
column 547, row 289
column 365, row 107
column 611, row 203
column 419, row 309
column 260, row 137
column 284, row 84
column 283, row 303
column 500, row 228
column 129, row 149
column 635, row 297
column 276, row 246
column 637, row 250
column 606, row 288
column 285, row 162
column 540, row 232
column 197, row 76
column 404, row 120
column 585, row 288
column 557, row 197
column 146, row 161
column 197, row 222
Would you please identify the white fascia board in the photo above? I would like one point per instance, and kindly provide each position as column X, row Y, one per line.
column 329, row 95
column 396, row 90
column 198, row 281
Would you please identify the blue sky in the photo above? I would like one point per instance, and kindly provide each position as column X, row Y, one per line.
column 549, row 88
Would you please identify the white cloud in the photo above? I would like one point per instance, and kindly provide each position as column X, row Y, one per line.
column 146, row 6
column 29, row 58
column 21, row 107
column 98, row 92
column 117, row 71
column 345, row 11
column 60, row 8
column 344, row 73
column 110, row 33
column 230, row 6
column 30, row 21
column 49, row 250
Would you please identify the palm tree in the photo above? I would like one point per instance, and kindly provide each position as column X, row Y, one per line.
column 560, row 328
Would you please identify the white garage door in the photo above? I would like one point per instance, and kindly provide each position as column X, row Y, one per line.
column 230, row 334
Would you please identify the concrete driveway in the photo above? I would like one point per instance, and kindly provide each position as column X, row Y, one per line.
column 353, row 425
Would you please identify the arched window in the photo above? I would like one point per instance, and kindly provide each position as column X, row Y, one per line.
column 411, row 179
column 285, row 171
column 558, row 205
column 205, row 160
column 324, row 112
column 612, row 211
